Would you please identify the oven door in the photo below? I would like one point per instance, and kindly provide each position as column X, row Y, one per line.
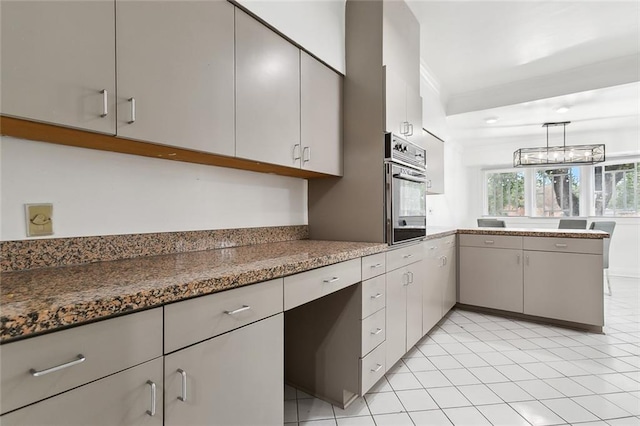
column 405, row 203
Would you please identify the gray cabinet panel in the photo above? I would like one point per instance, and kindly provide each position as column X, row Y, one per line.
column 267, row 95
column 395, row 104
column 414, row 303
column 396, row 316
column 564, row 286
column 414, row 116
column 57, row 57
column 491, row 278
column 233, row 379
column 432, row 291
column 435, row 164
column 320, row 117
column 121, row 399
column 450, row 278
column 176, row 59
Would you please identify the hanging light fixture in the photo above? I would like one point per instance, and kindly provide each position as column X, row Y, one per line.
column 558, row 155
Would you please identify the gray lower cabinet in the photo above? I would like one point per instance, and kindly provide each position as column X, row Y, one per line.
column 58, row 62
column 439, row 290
column 131, row 397
column 175, row 70
column 320, row 117
column 404, row 310
column 450, row 279
column 491, row 278
column 235, row 378
column 267, row 95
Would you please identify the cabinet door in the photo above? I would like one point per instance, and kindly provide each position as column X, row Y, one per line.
column 125, row 398
column 432, row 290
column 267, row 95
column 491, row 278
column 414, row 303
column 320, row 117
column 449, row 280
column 435, row 164
column 395, row 105
column 176, row 60
column 57, row 58
column 235, row 378
column 396, row 315
column 564, row 286
column 414, row 116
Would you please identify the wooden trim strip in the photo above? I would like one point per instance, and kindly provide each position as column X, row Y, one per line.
column 31, row 130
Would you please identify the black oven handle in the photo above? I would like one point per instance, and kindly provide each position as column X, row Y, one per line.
column 410, row 178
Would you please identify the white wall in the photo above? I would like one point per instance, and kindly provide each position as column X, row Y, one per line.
column 316, row 25
column 104, row 193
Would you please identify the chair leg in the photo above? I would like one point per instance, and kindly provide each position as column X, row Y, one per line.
column 606, row 272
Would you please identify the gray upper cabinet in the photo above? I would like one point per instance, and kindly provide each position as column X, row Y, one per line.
column 403, row 107
column 320, row 117
column 175, row 73
column 267, row 95
column 58, row 62
column 401, row 42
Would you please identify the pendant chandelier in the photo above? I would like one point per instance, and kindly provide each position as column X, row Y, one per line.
column 559, row 155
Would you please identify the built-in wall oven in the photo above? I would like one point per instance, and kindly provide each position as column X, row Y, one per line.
column 405, row 190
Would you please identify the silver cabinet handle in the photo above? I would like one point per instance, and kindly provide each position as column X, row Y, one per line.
column 527, row 260
column 410, row 133
column 79, row 360
column 376, row 266
column 488, row 241
column 429, row 183
column 237, row 311
column 306, row 159
column 152, row 412
column 375, row 370
column 407, row 256
column 404, row 127
column 446, row 260
column 518, row 258
column 296, row 147
column 133, row 110
column 433, row 248
column 331, row 280
column 378, row 331
column 406, row 274
column 377, row 296
column 561, row 245
column 183, row 395
column 410, row 277
column 105, row 106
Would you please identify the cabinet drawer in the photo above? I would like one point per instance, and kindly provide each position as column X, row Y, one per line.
column 373, row 331
column 107, row 347
column 493, row 241
column 400, row 257
column 198, row 319
column 373, row 265
column 307, row 286
column 372, row 368
column 120, row 399
column 566, row 245
column 434, row 248
column 373, row 295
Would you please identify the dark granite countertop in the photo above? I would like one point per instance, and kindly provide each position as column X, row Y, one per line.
column 40, row 300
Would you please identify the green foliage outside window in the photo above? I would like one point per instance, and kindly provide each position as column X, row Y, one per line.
column 505, row 194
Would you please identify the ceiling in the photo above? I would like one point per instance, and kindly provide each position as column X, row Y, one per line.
column 486, row 54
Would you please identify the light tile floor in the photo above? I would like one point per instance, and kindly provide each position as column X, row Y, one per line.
column 477, row 369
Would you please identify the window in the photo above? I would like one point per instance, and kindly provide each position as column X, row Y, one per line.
column 505, row 194
column 558, row 192
column 617, row 189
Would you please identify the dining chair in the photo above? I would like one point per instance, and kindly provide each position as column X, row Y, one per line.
column 491, row 223
column 606, row 226
column 572, row 224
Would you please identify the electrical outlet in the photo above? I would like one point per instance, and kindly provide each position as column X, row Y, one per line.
column 39, row 219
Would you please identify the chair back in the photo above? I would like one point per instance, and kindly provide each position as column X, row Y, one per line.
column 491, row 223
column 572, row 224
column 606, row 226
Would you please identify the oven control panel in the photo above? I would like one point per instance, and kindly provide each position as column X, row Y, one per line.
column 405, row 152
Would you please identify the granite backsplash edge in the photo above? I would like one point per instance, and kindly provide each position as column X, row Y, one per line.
column 53, row 252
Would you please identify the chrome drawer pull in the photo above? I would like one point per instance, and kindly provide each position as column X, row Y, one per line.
column 133, row 110
column 307, row 158
column 375, row 370
column 183, row 395
column 376, row 266
column 331, row 280
column 152, row 412
column 407, row 256
column 433, row 247
column 79, row 360
column 378, row 295
column 105, row 106
column 237, row 311
column 378, row 331
column 296, row 147
column 488, row 241
column 561, row 245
